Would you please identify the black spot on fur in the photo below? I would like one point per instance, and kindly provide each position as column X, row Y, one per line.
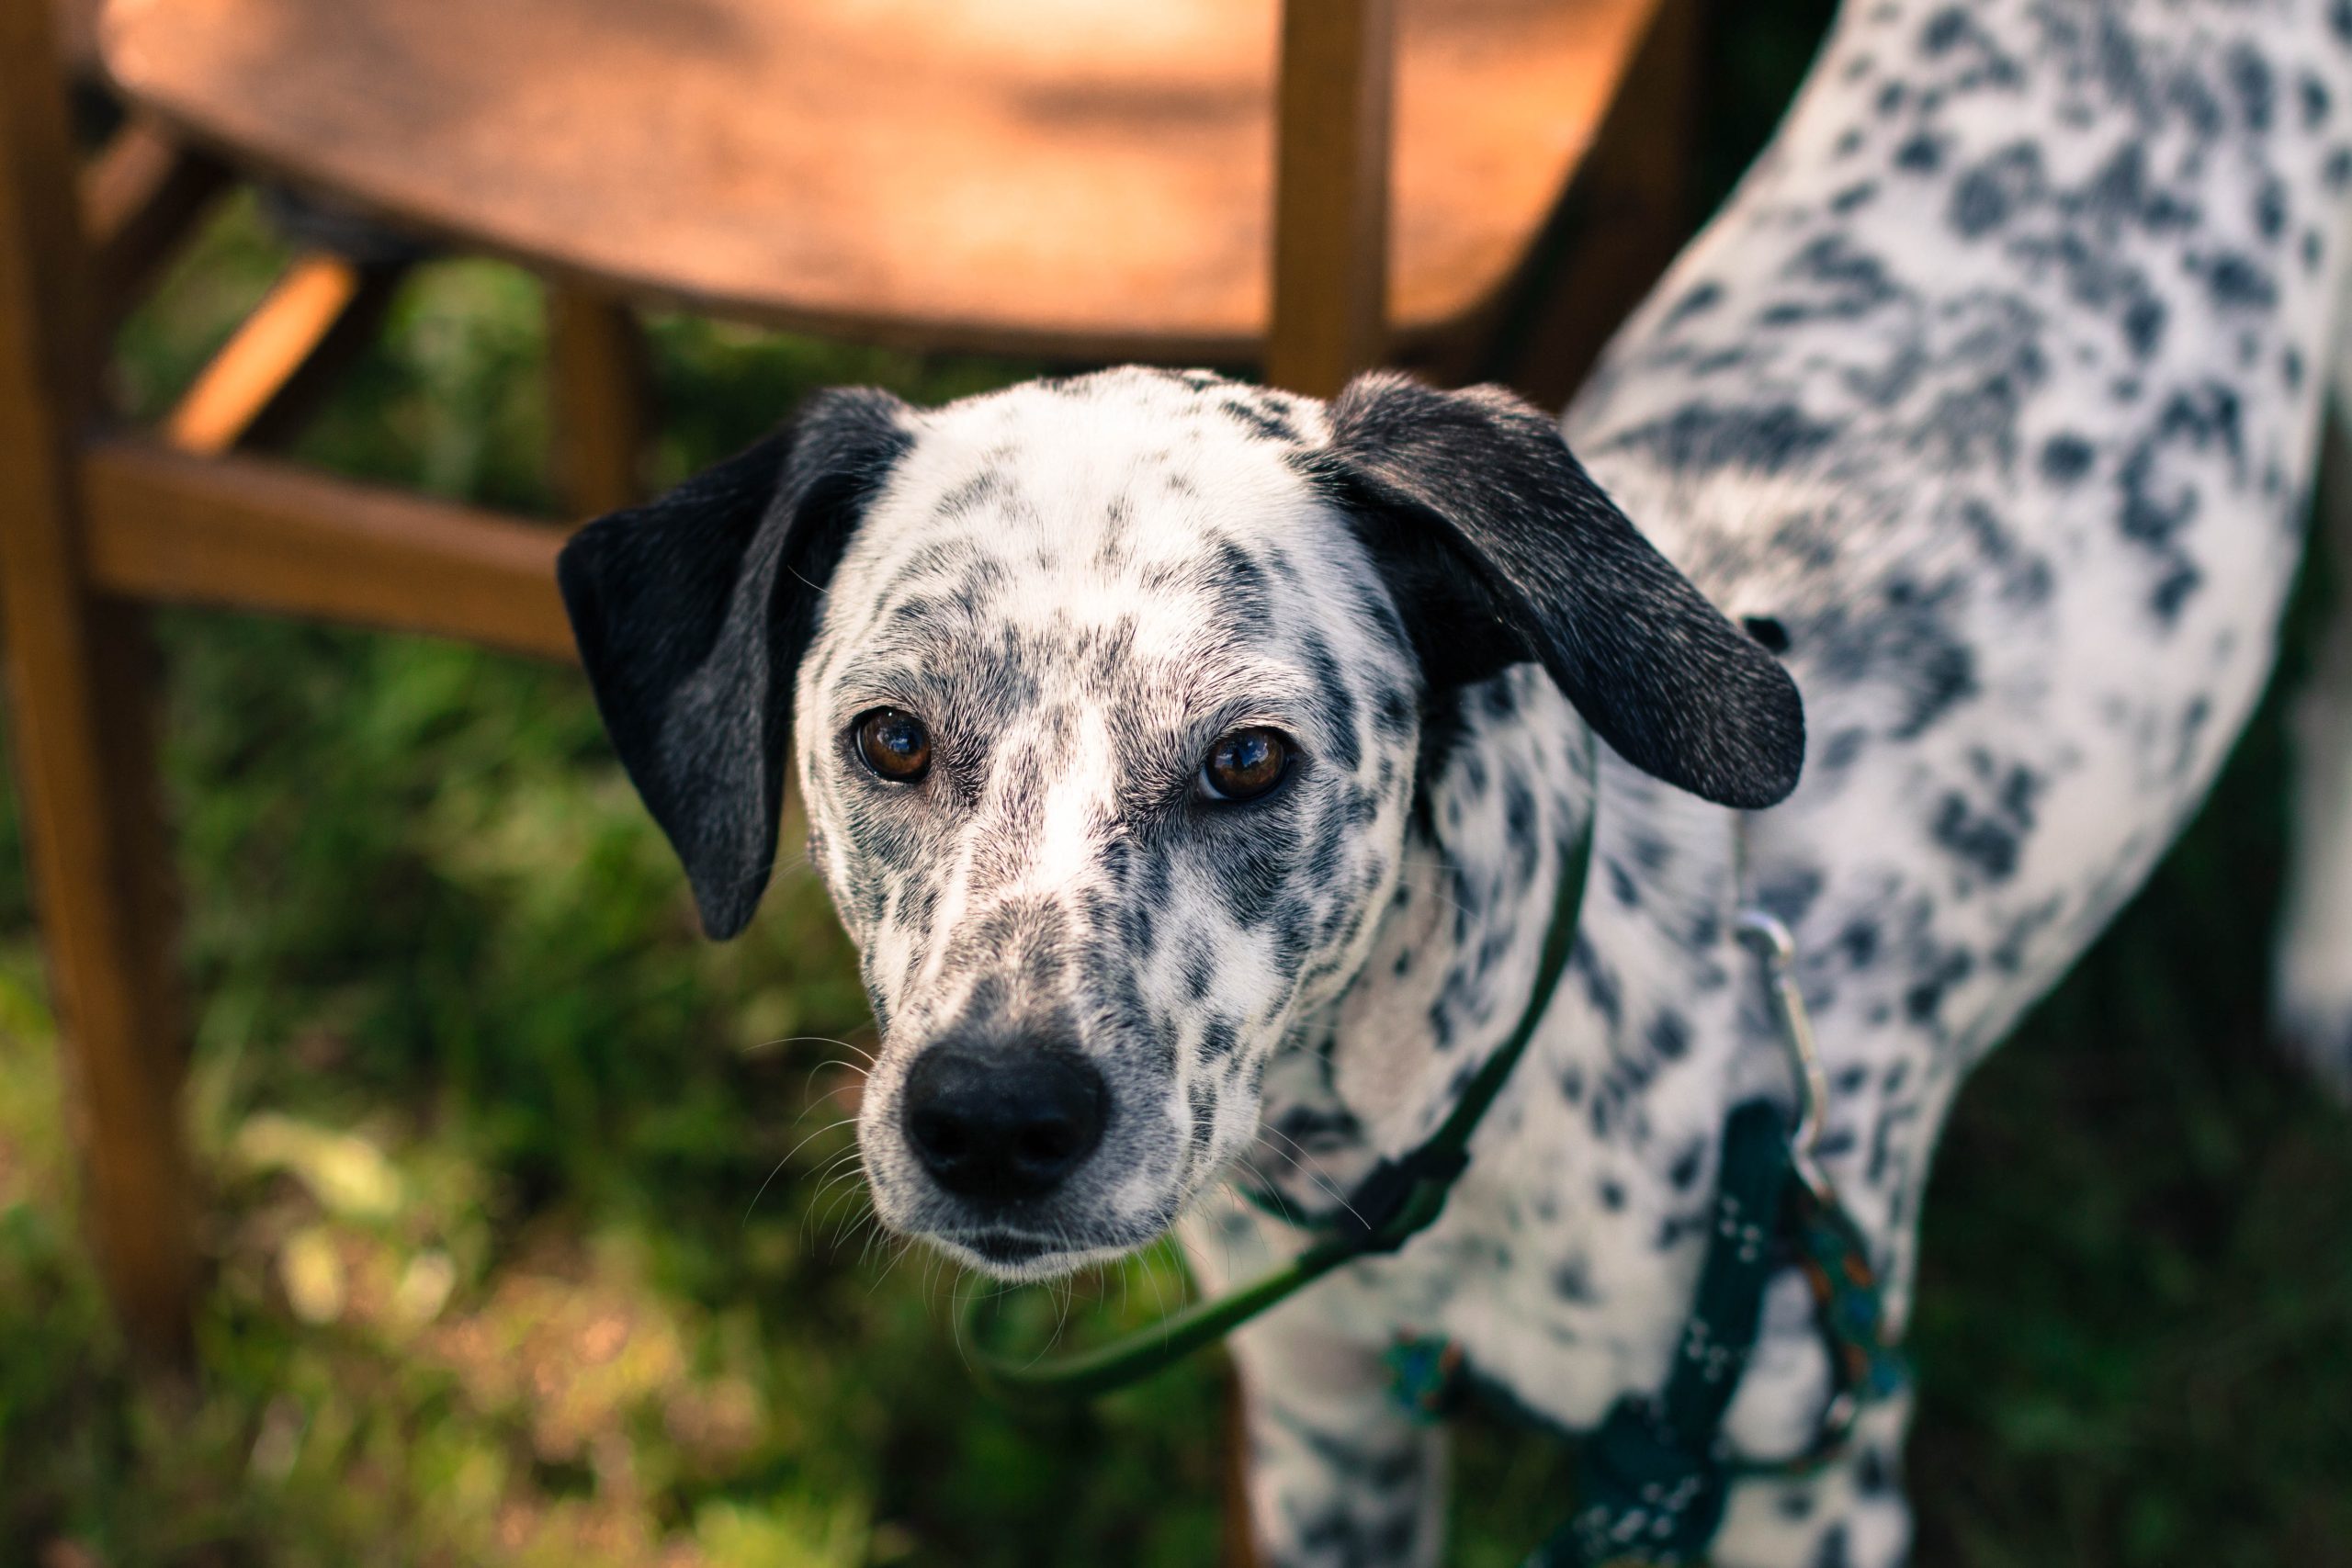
column 1853, row 197
column 2173, row 593
column 2066, row 459
column 1600, row 987
column 1669, row 1035
column 2238, row 282
column 1921, row 154
column 1982, row 843
column 1702, row 298
column 1259, row 419
column 1987, row 195
column 1944, row 31
column 2257, row 91
column 1925, row 998
column 1701, row 437
column 2270, row 209
column 2315, row 101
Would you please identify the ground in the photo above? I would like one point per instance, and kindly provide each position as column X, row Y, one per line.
column 487, row 1133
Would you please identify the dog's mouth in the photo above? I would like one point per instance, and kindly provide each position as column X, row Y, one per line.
column 1004, row 1248
column 1023, row 1257
column 1017, row 1259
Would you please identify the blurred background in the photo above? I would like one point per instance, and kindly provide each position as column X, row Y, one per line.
column 535, row 1237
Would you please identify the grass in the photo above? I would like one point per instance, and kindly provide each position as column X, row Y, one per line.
column 499, row 1274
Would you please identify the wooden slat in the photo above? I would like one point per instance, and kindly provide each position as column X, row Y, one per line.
column 82, row 728
column 141, row 195
column 260, row 535
column 234, row 390
column 337, row 346
column 1331, row 228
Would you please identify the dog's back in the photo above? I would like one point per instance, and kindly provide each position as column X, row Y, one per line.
column 1997, row 389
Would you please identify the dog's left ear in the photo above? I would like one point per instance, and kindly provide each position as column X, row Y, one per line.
column 1498, row 547
column 692, row 614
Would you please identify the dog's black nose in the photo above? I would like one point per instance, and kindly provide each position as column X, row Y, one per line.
column 1001, row 1125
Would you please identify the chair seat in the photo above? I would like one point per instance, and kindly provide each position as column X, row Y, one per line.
column 1081, row 177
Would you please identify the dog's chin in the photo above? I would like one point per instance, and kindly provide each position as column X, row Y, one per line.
column 1020, row 1259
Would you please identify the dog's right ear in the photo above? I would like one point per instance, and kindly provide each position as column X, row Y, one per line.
column 1498, row 547
column 692, row 614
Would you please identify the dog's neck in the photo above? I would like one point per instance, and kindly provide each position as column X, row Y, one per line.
column 1652, row 986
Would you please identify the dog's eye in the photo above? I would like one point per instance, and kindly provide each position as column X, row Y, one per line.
column 895, row 744
column 1245, row 764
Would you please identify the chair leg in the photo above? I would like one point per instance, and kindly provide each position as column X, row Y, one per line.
column 599, row 396
column 1622, row 220
column 1331, row 177
column 85, row 757
column 85, row 751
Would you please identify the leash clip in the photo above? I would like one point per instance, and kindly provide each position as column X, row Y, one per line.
column 1768, row 938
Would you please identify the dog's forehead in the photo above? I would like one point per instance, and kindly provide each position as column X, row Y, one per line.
column 1172, row 487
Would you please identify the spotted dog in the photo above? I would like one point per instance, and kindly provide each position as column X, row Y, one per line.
column 1196, row 765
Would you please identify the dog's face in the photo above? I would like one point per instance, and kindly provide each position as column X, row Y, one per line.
column 1106, row 741
column 1107, row 700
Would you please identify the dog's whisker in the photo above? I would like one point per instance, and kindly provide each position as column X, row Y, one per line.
column 833, row 1126
column 773, row 1172
column 851, row 1184
column 847, row 1167
column 807, row 1040
column 1330, row 1189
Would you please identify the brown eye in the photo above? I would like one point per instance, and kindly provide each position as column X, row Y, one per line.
column 893, row 744
column 1245, row 764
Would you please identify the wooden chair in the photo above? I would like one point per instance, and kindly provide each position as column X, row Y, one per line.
column 1203, row 181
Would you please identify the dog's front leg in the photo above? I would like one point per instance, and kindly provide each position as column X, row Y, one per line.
column 1850, row 1513
column 1338, row 1473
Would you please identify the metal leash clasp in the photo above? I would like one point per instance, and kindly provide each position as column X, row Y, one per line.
column 1847, row 1305
column 1767, row 938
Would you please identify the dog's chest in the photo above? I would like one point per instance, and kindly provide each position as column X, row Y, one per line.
column 1578, row 1227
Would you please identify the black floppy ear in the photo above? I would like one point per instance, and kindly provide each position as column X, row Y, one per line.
column 1498, row 547
column 692, row 614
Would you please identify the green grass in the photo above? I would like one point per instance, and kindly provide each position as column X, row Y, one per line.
column 486, row 1130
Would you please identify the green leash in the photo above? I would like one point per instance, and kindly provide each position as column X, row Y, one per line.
column 1397, row 1201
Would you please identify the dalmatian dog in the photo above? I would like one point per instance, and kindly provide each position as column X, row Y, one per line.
column 1196, row 765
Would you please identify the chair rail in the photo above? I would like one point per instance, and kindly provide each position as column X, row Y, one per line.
column 256, row 534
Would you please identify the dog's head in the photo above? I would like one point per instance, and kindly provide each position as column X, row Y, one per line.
column 1107, row 699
